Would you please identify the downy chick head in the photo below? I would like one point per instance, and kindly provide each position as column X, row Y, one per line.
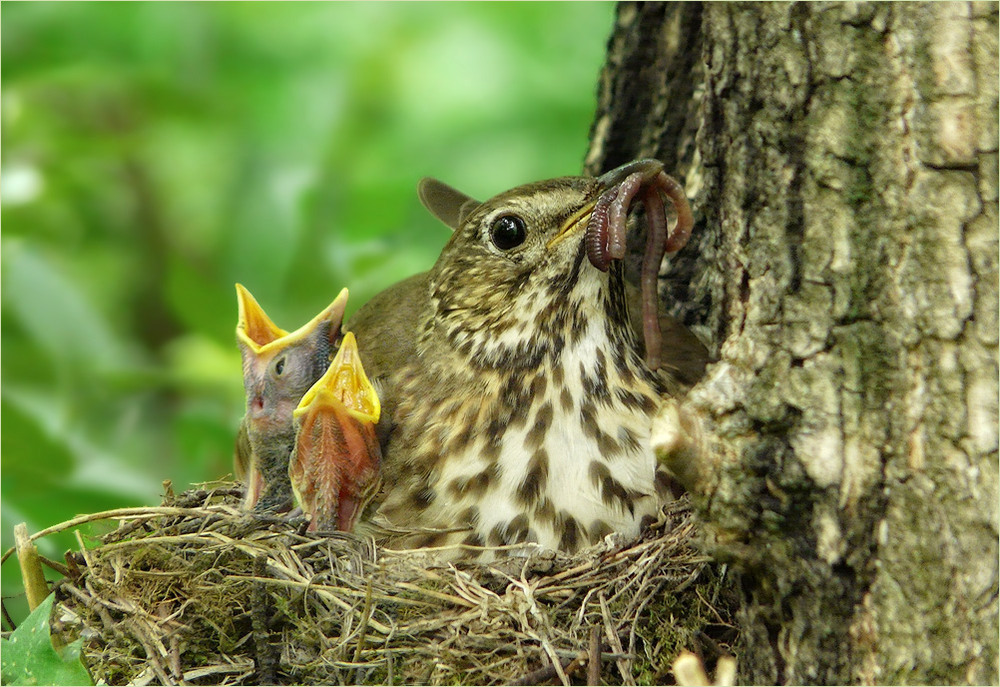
column 279, row 367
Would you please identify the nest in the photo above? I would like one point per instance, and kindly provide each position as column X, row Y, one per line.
column 197, row 592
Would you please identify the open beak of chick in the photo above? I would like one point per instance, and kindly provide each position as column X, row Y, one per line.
column 278, row 368
column 334, row 467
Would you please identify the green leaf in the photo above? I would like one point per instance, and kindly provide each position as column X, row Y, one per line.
column 28, row 657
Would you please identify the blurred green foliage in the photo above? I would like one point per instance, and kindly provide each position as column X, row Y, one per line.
column 156, row 153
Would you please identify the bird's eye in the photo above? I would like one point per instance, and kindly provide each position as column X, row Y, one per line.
column 279, row 366
column 508, row 232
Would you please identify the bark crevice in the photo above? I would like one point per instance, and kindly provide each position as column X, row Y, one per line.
column 841, row 161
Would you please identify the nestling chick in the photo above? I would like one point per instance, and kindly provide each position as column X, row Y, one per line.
column 334, row 467
column 278, row 368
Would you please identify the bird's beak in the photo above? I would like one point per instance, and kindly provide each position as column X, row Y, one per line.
column 576, row 222
column 648, row 168
column 579, row 219
column 254, row 328
column 257, row 332
column 344, row 383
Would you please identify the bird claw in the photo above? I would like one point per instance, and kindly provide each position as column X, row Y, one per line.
column 675, row 438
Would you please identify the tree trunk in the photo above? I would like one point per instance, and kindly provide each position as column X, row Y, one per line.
column 842, row 163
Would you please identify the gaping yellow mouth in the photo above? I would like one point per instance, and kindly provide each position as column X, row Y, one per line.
column 345, row 384
column 256, row 330
column 578, row 220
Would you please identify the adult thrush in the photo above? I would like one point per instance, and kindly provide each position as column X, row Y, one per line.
column 278, row 368
column 519, row 398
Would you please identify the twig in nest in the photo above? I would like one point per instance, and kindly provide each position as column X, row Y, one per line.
column 175, row 658
column 92, row 603
column 363, row 631
column 575, row 664
column 261, row 610
column 73, row 571
column 594, row 662
column 54, row 565
column 152, row 655
column 123, row 514
column 624, row 666
column 127, row 528
column 543, row 674
column 84, row 552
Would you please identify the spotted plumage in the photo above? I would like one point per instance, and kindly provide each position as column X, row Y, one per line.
column 521, row 412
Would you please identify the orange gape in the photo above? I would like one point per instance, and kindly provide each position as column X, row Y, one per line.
column 334, row 466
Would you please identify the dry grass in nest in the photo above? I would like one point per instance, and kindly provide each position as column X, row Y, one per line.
column 197, row 592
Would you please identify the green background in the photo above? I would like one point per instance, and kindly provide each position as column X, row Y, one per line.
column 154, row 154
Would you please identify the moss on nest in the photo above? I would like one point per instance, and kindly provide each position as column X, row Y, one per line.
column 201, row 593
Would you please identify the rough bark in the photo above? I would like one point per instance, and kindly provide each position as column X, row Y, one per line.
column 842, row 162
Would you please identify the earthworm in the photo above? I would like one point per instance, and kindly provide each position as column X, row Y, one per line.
column 605, row 234
column 605, row 240
column 656, row 239
column 685, row 220
column 658, row 242
column 596, row 234
column 618, row 214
